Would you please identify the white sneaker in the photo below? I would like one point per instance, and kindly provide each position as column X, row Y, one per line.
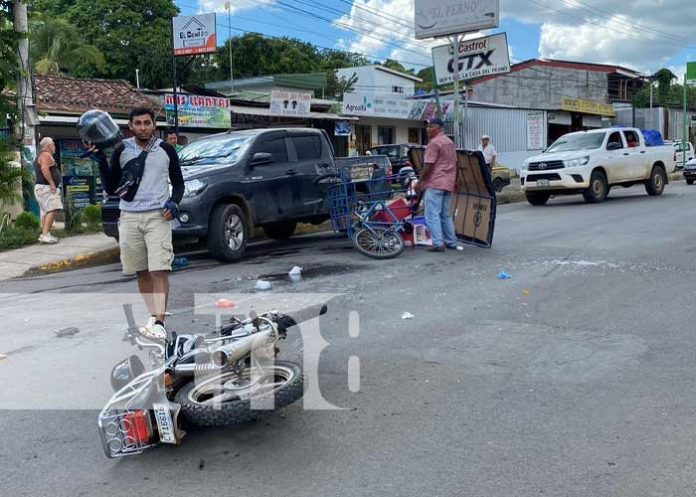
column 153, row 331
column 49, row 239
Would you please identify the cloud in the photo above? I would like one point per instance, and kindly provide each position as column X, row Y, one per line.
column 645, row 34
column 236, row 5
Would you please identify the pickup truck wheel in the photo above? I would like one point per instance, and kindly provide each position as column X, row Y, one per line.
column 689, row 181
column 538, row 198
column 227, row 233
column 598, row 190
column 498, row 184
column 656, row 184
column 281, row 230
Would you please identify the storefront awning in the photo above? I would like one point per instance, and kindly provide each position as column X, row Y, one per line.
column 266, row 112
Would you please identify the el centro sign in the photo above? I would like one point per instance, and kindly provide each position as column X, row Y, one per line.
column 194, row 35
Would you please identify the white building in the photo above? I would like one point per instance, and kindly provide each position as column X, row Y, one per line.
column 380, row 80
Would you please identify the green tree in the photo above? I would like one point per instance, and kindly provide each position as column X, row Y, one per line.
column 395, row 65
column 57, row 48
column 9, row 174
column 131, row 34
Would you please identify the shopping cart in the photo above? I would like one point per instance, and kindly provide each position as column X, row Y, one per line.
column 372, row 209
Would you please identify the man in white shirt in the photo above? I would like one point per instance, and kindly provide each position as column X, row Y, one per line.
column 488, row 150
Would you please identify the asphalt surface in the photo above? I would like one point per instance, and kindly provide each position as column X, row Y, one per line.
column 573, row 378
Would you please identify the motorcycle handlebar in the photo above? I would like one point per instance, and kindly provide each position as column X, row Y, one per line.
column 292, row 319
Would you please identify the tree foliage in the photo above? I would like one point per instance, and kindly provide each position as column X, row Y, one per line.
column 9, row 173
column 57, row 48
column 666, row 93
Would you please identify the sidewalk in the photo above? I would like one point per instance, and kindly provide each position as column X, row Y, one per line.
column 69, row 253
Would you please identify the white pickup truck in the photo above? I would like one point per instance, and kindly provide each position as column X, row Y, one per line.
column 591, row 162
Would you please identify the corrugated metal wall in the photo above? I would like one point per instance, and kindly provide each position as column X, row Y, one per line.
column 506, row 127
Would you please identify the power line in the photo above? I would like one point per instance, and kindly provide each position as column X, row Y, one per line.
column 287, row 7
column 631, row 34
column 333, row 49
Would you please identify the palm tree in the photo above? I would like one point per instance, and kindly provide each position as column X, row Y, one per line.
column 57, row 48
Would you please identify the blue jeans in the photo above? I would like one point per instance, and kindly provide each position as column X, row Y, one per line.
column 438, row 218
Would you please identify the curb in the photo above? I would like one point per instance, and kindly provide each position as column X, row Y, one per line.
column 79, row 261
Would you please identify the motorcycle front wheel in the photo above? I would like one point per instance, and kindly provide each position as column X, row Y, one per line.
column 230, row 398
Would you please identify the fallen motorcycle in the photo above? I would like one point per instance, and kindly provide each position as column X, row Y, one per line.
column 205, row 381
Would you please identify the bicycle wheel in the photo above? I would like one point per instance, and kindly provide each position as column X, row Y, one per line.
column 379, row 242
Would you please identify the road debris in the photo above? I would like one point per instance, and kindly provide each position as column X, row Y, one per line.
column 262, row 285
column 407, row 315
column 66, row 332
column 224, row 304
column 504, row 276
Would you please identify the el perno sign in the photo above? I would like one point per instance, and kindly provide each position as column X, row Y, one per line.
column 436, row 18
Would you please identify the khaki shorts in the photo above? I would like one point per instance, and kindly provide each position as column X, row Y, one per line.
column 48, row 200
column 145, row 240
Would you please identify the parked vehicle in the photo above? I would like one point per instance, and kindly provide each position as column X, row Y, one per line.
column 500, row 176
column 690, row 172
column 397, row 153
column 679, row 149
column 236, row 181
column 197, row 380
column 592, row 162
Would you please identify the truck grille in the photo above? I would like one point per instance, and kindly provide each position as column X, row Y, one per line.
column 537, row 177
column 546, row 166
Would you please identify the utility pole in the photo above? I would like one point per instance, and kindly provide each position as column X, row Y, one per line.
column 228, row 5
column 25, row 92
column 456, row 39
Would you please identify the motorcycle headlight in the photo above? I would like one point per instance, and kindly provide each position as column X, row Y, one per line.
column 194, row 187
column 576, row 162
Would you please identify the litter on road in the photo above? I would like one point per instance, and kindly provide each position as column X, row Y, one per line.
column 262, row 285
column 224, row 304
column 407, row 315
column 66, row 332
column 504, row 276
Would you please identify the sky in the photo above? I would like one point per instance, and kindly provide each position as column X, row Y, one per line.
column 644, row 35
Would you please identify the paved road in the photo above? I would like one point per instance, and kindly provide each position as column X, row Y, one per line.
column 574, row 378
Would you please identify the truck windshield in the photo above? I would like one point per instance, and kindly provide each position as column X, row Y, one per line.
column 220, row 147
column 569, row 143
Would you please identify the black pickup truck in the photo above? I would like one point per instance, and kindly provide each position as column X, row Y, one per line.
column 239, row 180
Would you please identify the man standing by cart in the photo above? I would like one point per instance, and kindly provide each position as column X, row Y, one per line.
column 438, row 181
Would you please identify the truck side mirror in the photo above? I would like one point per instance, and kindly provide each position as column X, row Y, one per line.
column 261, row 159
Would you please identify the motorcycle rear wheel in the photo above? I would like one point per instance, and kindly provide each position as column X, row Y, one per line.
column 226, row 398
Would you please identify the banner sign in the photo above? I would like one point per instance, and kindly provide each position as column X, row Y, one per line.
column 197, row 111
column 342, row 128
column 357, row 104
column 691, row 73
column 447, row 17
column 535, row 130
column 477, row 58
column 194, row 35
column 291, row 103
column 587, row 107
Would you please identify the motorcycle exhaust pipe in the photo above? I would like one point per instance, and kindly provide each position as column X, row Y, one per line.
column 233, row 352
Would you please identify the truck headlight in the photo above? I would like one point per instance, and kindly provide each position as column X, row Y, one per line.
column 194, row 187
column 576, row 162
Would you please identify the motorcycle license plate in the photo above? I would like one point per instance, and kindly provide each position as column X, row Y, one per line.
column 165, row 425
column 543, row 182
